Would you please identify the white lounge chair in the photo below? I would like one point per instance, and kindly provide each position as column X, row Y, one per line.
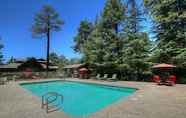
column 14, row 77
column 3, row 80
column 114, row 77
column 98, row 76
column 104, row 77
column 61, row 75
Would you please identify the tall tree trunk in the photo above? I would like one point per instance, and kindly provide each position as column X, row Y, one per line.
column 48, row 51
column 116, row 28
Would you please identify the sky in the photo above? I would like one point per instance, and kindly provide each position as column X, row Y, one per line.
column 16, row 19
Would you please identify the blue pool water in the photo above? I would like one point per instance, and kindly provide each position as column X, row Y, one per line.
column 80, row 99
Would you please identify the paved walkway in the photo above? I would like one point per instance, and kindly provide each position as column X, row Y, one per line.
column 150, row 101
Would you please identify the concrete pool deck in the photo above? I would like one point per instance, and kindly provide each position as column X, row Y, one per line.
column 150, row 101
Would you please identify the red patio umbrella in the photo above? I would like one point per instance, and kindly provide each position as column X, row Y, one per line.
column 83, row 69
column 165, row 77
column 83, row 72
column 163, row 65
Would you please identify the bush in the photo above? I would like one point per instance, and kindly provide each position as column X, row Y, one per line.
column 181, row 80
column 123, row 71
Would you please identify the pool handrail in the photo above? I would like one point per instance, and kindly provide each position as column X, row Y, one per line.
column 46, row 99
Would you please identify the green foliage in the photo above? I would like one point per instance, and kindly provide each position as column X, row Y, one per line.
column 117, row 43
column 54, row 58
column 136, row 54
column 134, row 16
column 111, row 47
column 60, row 61
column 46, row 20
column 11, row 60
column 105, row 44
column 169, row 18
column 94, row 49
column 101, row 42
column 137, row 45
column 82, row 37
column 180, row 58
column 74, row 61
column 113, row 14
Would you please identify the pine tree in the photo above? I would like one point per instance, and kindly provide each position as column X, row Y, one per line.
column 111, row 22
column 95, row 48
column 134, row 16
column 137, row 43
column 169, row 17
column 113, row 14
column 60, row 61
column 110, row 44
column 104, row 42
column 12, row 60
column 46, row 21
column 81, row 38
column 136, row 53
column 54, row 59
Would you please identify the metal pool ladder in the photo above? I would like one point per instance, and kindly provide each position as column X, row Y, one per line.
column 49, row 101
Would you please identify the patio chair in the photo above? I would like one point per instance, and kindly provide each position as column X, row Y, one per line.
column 156, row 78
column 171, row 80
column 113, row 77
column 61, row 75
column 104, row 77
column 3, row 80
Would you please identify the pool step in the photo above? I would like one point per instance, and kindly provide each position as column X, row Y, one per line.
column 49, row 101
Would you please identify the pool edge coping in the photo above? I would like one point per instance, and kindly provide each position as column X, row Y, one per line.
column 78, row 81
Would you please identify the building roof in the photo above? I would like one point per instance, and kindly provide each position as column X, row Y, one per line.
column 10, row 66
column 73, row 66
column 19, row 63
column 22, row 60
column 50, row 66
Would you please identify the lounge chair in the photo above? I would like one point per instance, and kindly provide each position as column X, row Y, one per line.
column 12, row 78
column 113, row 77
column 61, row 75
column 3, row 80
column 105, row 77
column 98, row 76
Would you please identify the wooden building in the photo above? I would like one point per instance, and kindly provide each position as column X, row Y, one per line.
column 73, row 70
column 36, row 65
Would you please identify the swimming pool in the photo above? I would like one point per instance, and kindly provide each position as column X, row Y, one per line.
column 80, row 99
